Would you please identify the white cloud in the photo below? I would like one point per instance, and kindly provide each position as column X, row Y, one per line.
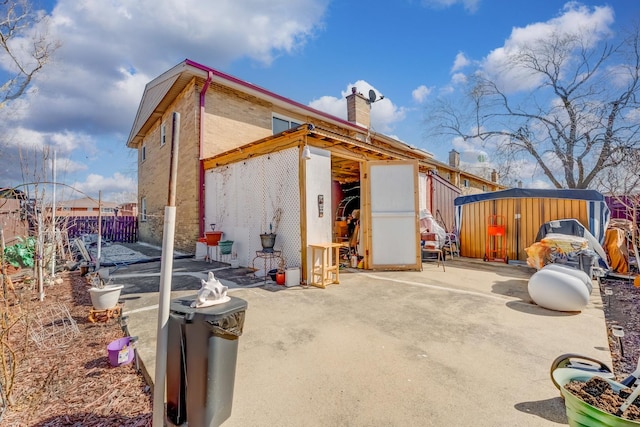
column 115, row 185
column 469, row 5
column 459, row 79
column 420, row 93
column 110, row 50
column 575, row 19
column 460, row 62
column 384, row 114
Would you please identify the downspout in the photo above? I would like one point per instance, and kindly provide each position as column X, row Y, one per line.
column 203, row 92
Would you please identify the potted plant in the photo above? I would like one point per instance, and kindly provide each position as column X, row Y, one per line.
column 280, row 273
column 268, row 240
column 581, row 412
column 225, row 246
column 213, row 236
column 103, row 297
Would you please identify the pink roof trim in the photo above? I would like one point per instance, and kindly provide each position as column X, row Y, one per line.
column 270, row 94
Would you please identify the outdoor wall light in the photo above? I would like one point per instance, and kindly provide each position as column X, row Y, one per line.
column 618, row 332
column 608, row 292
column 306, row 152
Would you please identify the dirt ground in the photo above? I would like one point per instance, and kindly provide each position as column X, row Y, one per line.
column 68, row 380
column 63, row 377
column 621, row 308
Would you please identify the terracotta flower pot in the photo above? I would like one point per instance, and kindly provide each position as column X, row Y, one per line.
column 213, row 237
column 280, row 278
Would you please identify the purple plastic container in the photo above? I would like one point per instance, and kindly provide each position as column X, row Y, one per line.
column 120, row 351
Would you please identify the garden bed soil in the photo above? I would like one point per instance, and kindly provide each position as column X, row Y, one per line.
column 622, row 308
column 597, row 392
column 69, row 381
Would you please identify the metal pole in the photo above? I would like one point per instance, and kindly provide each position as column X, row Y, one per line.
column 40, row 256
column 5, row 277
column 99, row 230
column 165, row 281
column 53, row 222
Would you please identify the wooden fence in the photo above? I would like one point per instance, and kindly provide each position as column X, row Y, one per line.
column 114, row 228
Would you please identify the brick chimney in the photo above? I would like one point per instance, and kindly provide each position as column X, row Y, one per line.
column 358, row 109
column 454, row 159
column 494, row 176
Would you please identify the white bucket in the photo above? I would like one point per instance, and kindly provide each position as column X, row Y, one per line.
column 292, row 277
column 201, row 251
column 106, row 297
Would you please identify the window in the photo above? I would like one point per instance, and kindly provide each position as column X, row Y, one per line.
column 280, row 124
column 143, row 209
column 484, row 188
column 466, row 182
column 449, row 177
column 143, row 154
column 163, row 134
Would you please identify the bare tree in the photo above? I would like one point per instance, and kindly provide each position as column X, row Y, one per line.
column 25, row 46
column 579, row 117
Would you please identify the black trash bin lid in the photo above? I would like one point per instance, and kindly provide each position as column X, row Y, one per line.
column 182, row 306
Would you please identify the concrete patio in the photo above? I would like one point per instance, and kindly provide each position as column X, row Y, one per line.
column 461, row 347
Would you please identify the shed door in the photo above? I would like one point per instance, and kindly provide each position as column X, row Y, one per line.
column 393, row 195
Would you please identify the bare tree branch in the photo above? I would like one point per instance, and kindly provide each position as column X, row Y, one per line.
column 25, row 47
column 579, row 120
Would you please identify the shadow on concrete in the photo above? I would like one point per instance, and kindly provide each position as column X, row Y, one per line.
column 531, row 308
column 550, row 409
column 516, row 288
column 499, row 268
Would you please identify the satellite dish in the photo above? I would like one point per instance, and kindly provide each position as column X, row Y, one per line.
column 372, row 96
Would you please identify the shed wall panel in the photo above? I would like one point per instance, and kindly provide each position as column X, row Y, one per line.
column 520, row 232
column 441, row 197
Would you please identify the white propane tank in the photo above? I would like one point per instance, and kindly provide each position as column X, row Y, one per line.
column 558, row 290
column 572, row 271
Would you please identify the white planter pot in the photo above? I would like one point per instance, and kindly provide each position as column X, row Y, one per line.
column 106, row 297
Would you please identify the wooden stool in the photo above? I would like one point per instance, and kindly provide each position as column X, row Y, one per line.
column 440, row 256
column 327, row 272
column 104, row 315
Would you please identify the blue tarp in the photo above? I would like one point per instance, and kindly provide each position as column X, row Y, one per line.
column 521, row 193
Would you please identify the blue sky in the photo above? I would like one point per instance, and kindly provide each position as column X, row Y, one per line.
column 312, row 51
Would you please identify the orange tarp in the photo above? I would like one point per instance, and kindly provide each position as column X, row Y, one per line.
column 616, row 247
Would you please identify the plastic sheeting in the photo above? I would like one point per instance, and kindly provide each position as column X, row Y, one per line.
column 428, row 224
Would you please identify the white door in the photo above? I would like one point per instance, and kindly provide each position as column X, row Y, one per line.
column 394, row 231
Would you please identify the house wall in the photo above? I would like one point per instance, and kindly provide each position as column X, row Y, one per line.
column 242, row 199
column 153, row 175
column 233, row 119
column 520, row 232
column 456, row 178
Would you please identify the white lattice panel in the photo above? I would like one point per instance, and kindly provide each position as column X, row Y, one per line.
column 243, row 198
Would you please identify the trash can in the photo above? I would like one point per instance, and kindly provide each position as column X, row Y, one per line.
column 587, row 259
column 201, row 360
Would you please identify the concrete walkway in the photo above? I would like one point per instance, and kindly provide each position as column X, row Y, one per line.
column 461, row 347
